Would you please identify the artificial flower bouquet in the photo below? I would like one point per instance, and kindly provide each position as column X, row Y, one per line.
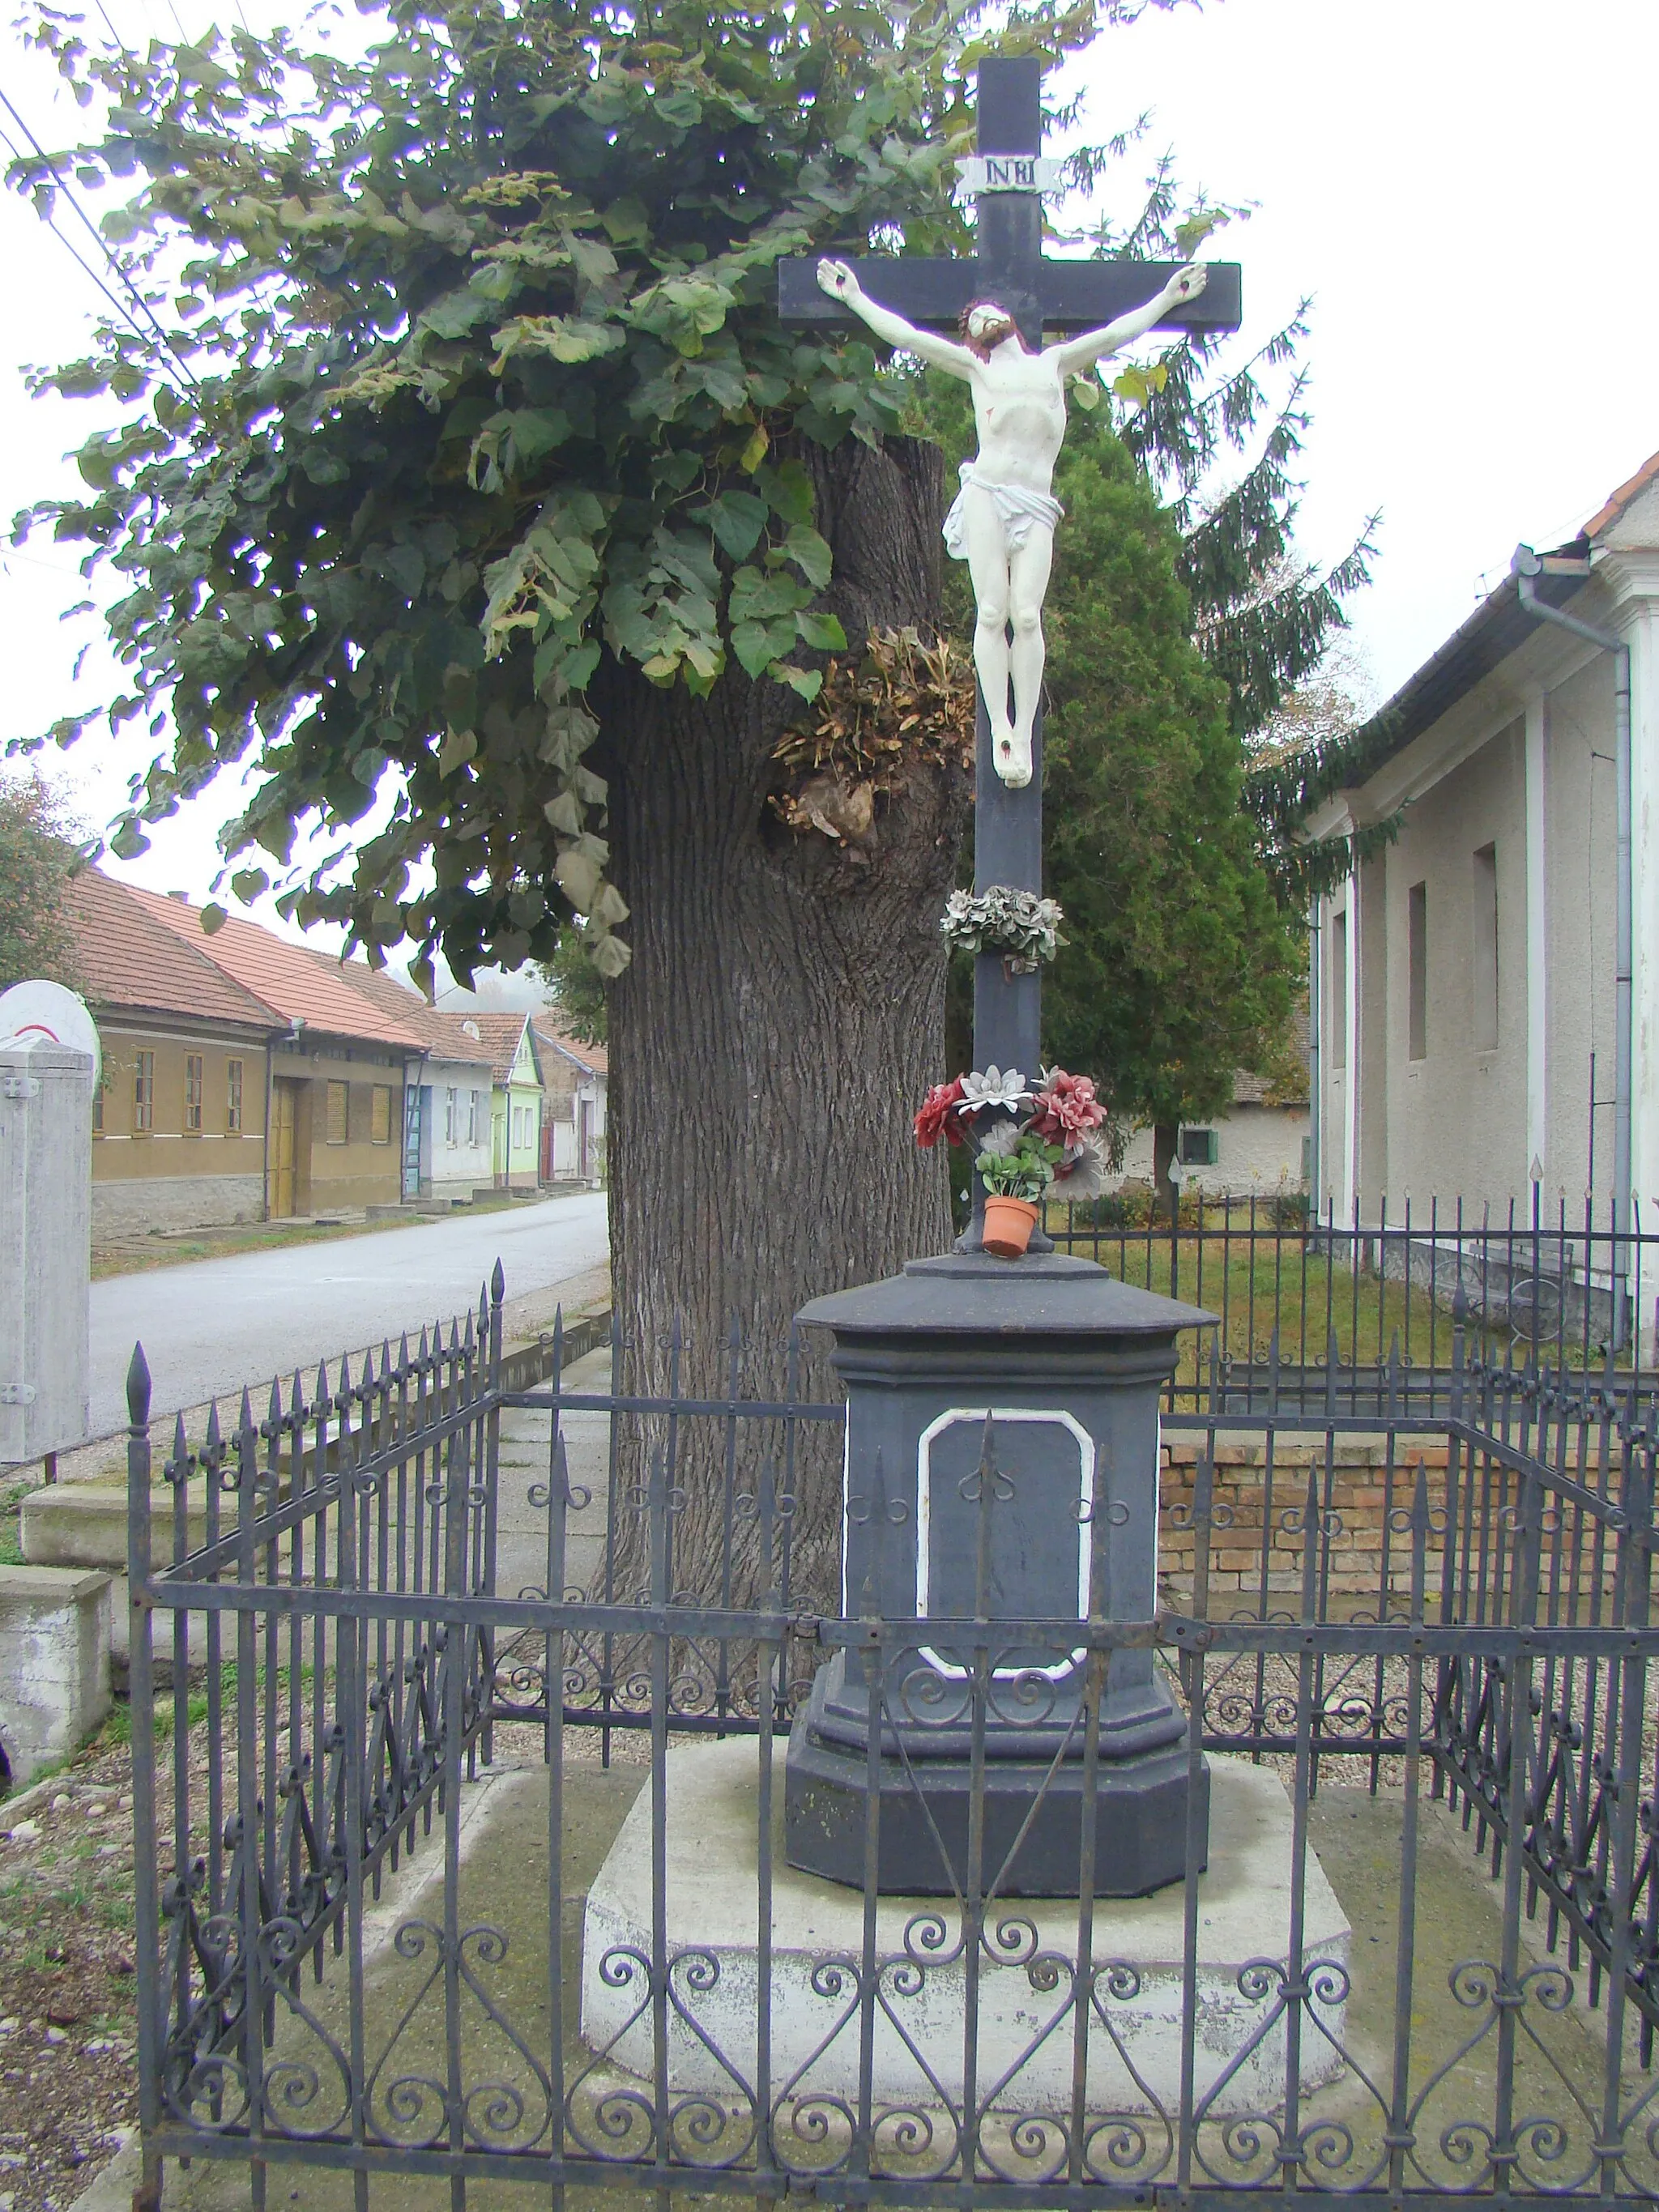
column 1030, row 1142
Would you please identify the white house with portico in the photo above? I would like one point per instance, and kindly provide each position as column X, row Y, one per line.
column 1468, row 1013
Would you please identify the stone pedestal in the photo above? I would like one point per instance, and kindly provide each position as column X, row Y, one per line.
column 1002, row 1462
column 54, row 1662
column 1024, row 2017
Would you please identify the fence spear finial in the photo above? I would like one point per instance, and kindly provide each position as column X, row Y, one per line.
column 138, row 1388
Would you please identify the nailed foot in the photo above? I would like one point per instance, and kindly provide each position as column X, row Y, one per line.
column 1013, row 754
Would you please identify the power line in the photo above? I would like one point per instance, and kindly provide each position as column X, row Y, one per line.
column 99, row 239
column 119, row 306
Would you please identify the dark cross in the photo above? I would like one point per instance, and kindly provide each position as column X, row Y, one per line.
column 1068, row 296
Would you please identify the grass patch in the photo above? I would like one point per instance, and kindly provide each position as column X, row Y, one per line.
column 1256, row 1287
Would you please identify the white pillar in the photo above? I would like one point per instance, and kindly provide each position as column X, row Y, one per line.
column 45, row 1239
column 1351, row 1088
column 1537, row 944
column 1638, row 621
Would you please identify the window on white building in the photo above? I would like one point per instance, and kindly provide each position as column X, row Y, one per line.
column 1417, row 971
column 451, row 1116
column 474, row 1103
column 1483, row 948
column 1340, row 989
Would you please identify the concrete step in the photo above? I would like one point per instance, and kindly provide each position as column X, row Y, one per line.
column 84, row 1524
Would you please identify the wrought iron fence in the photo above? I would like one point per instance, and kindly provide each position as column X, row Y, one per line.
column 1357, row 1313
column 1424, row 1960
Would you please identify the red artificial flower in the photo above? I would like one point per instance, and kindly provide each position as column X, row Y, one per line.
column 939, row 1118
column 1067, row 1109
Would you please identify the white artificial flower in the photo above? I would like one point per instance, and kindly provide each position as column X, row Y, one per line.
column 1083, row 1174
column 1001, row 1138
column 993, row 1088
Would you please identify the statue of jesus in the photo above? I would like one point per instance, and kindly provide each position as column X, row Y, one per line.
column 1002, row 522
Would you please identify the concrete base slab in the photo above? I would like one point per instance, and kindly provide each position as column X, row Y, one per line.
column 1027, row 1971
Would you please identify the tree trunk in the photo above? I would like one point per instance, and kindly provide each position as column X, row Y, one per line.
column 1164, row 1191
column 782, row 1015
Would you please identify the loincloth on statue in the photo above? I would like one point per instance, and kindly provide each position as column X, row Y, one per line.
column 1018, row 506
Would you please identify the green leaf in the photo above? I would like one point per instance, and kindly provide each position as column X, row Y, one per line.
column 752, row 643
column 405, row 567
column 759, row 597
column 249, row 883
column 809, row 682
column 579, row 665
column 562, row 337
column 755, row 452
column 627, row 221
column 214, row 918
column 458, row 748
column 822, row 632
column 810, row 554
column 457, row 313
column 578, row 877
column 736, row 519
column 610, row 956
column 788, row 490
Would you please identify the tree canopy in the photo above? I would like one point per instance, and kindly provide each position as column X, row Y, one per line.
column 1180, row 962
column 451, row 370
column 40, row 848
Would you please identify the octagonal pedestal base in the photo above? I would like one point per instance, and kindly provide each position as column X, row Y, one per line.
column 1140, row 1820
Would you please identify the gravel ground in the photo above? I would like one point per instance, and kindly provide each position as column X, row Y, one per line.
column 68, row 2067
column 69, row 2076
column 68, row 2060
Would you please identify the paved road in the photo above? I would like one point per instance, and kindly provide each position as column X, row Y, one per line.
column 212, row 1325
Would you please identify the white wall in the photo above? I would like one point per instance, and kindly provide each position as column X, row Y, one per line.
column 1524, row 763
column 455, row 1168
column 1258, row 1150
column 564, row 1118
column 1454, row 1122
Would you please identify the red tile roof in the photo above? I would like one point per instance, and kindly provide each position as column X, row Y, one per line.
column 452, row 1039
column 383, row 991
column 498, row 1035
column 1617, row 500
column 302, row 985
column 128, row 957
column 594, row 1057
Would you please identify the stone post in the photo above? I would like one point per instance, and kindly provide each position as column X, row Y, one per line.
column 45, row 1247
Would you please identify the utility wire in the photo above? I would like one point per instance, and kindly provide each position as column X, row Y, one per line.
column 68, row 244
column 102, row 244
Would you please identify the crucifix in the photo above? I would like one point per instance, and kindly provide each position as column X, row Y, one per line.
column 995, row 307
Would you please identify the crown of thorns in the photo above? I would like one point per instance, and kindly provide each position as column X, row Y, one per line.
column 973, row 308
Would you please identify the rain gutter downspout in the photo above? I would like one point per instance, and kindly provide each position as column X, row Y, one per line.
column 1526, row 567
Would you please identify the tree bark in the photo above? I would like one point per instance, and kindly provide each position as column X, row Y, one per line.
column 770, row 1041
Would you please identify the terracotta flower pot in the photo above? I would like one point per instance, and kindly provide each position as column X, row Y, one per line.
column 1008, row 1225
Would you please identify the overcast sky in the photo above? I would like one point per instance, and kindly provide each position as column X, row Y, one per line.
column 1459, row 184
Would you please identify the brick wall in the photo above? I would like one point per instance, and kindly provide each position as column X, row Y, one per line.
column 1362, row 1490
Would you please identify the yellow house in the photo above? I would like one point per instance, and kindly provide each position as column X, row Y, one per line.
column 246, row 1078
column 179, row 1121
